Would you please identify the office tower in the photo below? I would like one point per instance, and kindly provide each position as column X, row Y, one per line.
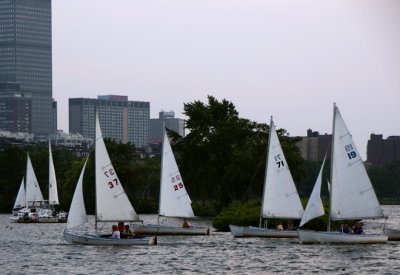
column 26, row 56
column 168, row 119
column 15, row 109
column 120, row 119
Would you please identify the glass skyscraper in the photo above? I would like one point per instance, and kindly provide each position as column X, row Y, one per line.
column 26, row 56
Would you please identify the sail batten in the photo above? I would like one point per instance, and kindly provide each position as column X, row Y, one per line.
column 280, row 198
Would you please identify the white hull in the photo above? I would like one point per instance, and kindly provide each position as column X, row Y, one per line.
column 242, row 231
column 155, row 230
column 94, row 239
column 308, row 237
column 393, row 234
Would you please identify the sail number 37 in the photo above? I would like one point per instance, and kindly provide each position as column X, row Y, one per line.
column 110, row 172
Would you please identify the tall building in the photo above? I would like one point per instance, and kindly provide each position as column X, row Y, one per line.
column 26, row 56
column 120, row 119
column 168, row 119
column 314, row 146
column 15, row 109
column 381, row 152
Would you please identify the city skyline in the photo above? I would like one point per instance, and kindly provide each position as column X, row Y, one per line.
column 288, row 60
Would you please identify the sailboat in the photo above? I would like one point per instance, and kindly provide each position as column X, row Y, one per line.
column 20, row 201
column 174, row 199
column 32, row 206
column 112, row 203
column 352, row 196
column 33, row 197
column 280, row 197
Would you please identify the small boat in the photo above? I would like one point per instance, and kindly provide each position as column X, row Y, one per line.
column 352, row 196
column 280, row 197
column 174, row 199
column 112, row 204
column 31, row 207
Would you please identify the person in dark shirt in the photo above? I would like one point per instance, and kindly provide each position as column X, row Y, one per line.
column 346, row 229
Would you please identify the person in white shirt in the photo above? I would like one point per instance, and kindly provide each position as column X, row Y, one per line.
column 115, row 233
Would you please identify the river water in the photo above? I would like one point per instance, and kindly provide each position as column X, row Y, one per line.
column 41, row 249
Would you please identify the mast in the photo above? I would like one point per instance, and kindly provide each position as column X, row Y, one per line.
column 161, row 173
column 332, row 160
column 266, row 168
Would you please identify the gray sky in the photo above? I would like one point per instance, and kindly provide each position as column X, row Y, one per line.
column 289, row 59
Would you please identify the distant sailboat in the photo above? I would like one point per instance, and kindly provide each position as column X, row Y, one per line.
column 112, row 203
column 352, row 196
column 174, row 199
column 280, row 197
column 35, row 208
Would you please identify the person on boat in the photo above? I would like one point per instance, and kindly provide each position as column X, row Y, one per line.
column 358, row 228
column 279, row 226
column 128, row 233
column 115, row 232
column 185, row 224
column 121, row 227
column 346, row 229
column 290, row 225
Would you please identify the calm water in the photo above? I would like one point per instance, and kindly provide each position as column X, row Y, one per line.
column 41, row 249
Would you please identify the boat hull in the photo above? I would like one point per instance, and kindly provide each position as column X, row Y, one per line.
column 156, row 230
column 393, row 234
column 309, row 237
column 245, row 231
column 94, row 239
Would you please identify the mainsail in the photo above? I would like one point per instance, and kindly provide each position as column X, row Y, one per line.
column 280, row 199
column 174, row 200
column 112, row 203
column 352, row 194
column 33, row 192
column 53, row 194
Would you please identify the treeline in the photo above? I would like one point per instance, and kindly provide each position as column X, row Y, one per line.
column 221, row 159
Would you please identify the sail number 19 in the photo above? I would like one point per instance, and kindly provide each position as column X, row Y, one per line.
column 351, row 154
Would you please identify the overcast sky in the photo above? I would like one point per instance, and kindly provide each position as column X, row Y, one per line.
column 288, row 59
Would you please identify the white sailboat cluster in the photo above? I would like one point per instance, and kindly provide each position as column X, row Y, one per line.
column 29, row 205
column 280, row 198
column 174, row 199
column 352, row 196
column 112, row 203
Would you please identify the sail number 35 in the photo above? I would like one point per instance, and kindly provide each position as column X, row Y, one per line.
column 109, row 173
column 350, row 151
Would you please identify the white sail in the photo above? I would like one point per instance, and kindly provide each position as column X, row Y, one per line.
column 280, row 199
column 174, row 200
column 314, row 206
column 353, row 196
column 112, row 203
column 20, row 201
column 33, row 192
column 77, row 212
column 53, row 194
